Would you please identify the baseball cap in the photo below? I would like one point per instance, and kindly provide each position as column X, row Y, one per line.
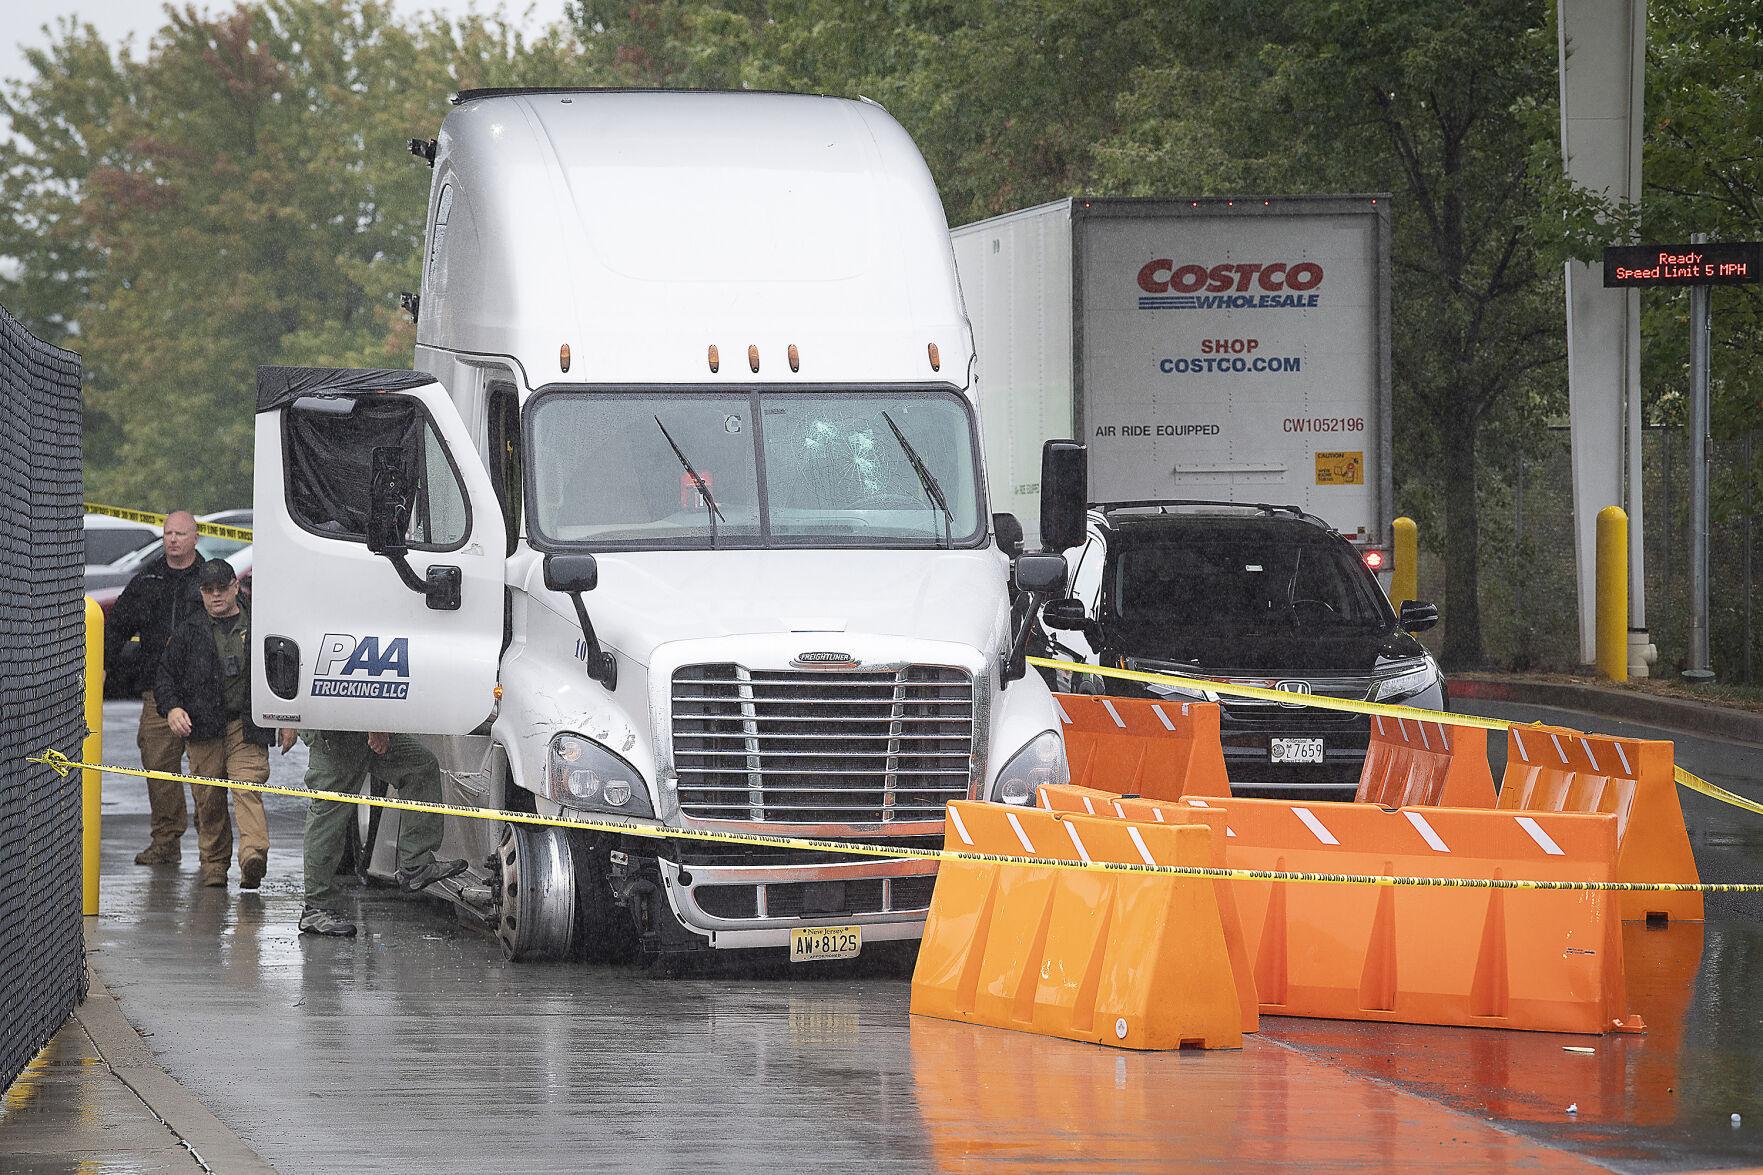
column 215, row 573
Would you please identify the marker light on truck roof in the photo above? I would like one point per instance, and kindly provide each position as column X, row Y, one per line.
column 753, row 357
column 563, row 357
column 936, row 356
column 795, row 358
column 1374, row 560
column 715, row 360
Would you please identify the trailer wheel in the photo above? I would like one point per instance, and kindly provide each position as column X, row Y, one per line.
column 538, row 874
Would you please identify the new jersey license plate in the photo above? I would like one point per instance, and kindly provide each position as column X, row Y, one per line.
column 811, row 944
column 1296, row 750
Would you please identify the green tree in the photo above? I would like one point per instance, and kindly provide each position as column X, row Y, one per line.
column 241, row 195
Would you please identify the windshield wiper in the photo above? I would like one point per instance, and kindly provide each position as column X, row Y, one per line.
column 702, row 485
column 926, row 479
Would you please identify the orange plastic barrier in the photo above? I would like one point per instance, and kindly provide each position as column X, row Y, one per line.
column 1164, row 750
column 1138, row 961
column 1553, row 769
column 1429, row 764
column 1549, row 961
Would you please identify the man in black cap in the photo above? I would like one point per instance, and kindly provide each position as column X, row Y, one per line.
column 159, row 598
column 203, row 689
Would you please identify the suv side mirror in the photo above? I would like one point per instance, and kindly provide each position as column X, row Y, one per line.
column 1417, row 616
column 1065, row 490
column 1040, row 574
column 1009, row 532
column 1067, row 614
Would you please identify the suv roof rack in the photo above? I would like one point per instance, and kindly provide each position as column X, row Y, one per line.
column 1161, row 505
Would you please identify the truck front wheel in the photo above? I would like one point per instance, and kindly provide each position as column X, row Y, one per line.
column 538, row 876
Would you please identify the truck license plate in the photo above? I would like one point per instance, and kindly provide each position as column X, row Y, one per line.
column 1296, row 750
column 811, row 944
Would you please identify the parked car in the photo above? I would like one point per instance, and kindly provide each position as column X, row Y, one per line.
column 1253, row 594
column 117, row 574
column 109, row 540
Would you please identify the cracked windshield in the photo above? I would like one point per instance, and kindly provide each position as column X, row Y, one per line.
column 779, row 469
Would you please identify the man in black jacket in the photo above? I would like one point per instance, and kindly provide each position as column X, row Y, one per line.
column 204, row 691
column 160, row 597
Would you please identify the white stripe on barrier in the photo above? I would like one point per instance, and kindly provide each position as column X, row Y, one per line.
column 1163, row 718
column 1544, row 841
column 1118, row 810
column 1623, row 755
column 1139, row 844
column 1556, row 739
column 1063, row 716
column 1197, row 803
column 960, row 828
column 1081, row 851
column 1424, row 741
column 1378, row 718
column 1522, row 753
column 1088, row 807
column 1046, row 800
column 1158, row 812
column 1426, row 832
column 1590, row 754
column 1113, row 713
column 1444, row 736
column 1184, row 709
column 1027, row 845
column 1315, row 826
column 1402, row 728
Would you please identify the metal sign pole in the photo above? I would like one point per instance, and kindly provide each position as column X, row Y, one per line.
column 1698, row 669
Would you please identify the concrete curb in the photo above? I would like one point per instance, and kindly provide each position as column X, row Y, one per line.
column 212, row 1142
column 1679, row 714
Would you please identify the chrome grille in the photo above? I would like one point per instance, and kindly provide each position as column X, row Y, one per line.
column 821, row 746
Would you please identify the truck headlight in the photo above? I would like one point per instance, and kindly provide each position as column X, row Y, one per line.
column 1041, row 761
column 581, row 773
column 1405, row 680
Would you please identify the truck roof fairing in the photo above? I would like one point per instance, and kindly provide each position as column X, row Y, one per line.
column 642, row 227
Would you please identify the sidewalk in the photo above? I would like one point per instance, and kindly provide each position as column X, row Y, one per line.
column 1708, row 719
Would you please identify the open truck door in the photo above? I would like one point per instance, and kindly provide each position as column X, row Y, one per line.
column 377, row 579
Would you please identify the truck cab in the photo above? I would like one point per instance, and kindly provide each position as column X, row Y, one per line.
column 680, row 518
column 1252, row 594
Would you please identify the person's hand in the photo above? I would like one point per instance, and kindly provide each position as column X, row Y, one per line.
column 287, row 736
column 378, row 742
column 179, row 721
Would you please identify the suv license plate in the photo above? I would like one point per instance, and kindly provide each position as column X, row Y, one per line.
column 811, row 944
column 1296, row 750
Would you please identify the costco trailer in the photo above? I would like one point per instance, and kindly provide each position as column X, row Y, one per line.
column 1233, row 349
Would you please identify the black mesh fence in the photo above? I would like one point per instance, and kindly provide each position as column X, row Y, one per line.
column 42, row 653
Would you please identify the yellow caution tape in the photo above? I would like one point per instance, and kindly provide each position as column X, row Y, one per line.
column 213, row 529
column 1351, row 706
column 62, row 766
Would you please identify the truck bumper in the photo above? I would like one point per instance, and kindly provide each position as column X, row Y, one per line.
column 735, row 907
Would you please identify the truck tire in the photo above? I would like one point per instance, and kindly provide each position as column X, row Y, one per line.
column 537, row 915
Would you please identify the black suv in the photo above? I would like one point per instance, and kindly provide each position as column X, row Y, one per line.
column 1254, row 594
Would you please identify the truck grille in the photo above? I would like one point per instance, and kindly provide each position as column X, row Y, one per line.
column 821, row 746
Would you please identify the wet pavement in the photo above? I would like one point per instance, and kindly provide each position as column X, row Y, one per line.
column 417, row 1046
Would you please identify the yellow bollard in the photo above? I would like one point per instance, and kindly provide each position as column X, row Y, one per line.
column 92, row 750
column 1612, row 616
column 1405, row 580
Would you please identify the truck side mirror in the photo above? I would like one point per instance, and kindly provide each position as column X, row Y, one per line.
column 1009, row 532
column 572, row 573
column 1417, row 616
column 1065, row 488
column 1067, row 614
column 388, row 502
column 1040, row 575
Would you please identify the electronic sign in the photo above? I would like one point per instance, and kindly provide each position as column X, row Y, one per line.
column 1710, row 263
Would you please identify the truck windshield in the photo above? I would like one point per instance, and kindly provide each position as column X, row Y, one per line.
column 613, row 469
column 1244, row 582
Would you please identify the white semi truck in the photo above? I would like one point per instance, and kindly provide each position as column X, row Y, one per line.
column 681, row 517
column 1233, row 349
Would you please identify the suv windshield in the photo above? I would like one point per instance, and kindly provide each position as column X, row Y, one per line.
column 616, row 469
column 1244, row 581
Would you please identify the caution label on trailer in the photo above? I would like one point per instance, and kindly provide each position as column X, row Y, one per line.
column 1343, row 468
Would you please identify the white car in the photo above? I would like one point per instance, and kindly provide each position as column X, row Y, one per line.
column 110, row 540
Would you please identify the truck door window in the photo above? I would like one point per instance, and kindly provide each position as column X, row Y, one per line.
column 505, row 456
column 328, row 462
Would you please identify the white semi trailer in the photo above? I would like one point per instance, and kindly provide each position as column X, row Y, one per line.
column 680, row 518
column 1233, row 349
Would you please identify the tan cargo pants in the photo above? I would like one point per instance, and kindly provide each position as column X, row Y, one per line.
column 161, row 750
column 229, row 757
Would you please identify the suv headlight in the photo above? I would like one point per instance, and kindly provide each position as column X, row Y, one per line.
column 1140, row 665
column 1405, row 680
column 583, row 774
column 1041, row 761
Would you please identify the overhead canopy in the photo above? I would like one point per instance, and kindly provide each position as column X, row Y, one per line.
column 279, row 386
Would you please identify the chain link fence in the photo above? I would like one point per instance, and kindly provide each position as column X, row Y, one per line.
column 42, row 654
column 1529, row 611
